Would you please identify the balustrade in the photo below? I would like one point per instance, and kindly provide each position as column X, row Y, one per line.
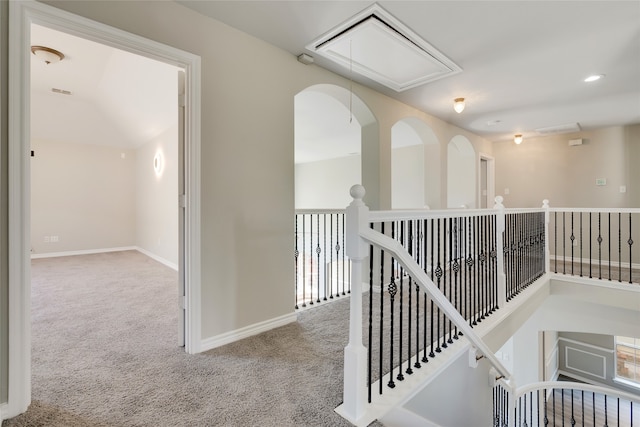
column 596, row 243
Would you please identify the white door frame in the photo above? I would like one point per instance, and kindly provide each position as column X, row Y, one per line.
column 21, row 15
column 491, row 180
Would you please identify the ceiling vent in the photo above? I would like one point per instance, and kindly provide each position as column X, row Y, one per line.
column 376, row 45
column 566, row 128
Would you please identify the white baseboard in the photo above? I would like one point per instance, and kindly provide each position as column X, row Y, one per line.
column 247, row 331
column 161, row 260
column 104, row 250
column 83, row 252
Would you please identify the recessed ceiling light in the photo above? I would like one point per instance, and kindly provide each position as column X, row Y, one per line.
column 593, row 78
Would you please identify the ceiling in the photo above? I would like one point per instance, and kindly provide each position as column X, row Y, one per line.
column 523, row 62
column 116, row 98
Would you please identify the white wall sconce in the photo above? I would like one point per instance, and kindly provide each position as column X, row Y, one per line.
column 158, row 163
column 517, row 138
column 46, row 54
column 458, row 105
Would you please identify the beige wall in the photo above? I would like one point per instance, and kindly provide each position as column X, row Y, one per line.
column 82, row 193
column 325, row 184
column 548, row 168
column 156, row 204
column 4, row 210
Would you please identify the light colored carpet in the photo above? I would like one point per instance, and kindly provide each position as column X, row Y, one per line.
column 105, row 354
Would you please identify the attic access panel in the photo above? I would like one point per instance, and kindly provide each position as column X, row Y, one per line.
column 376, row 45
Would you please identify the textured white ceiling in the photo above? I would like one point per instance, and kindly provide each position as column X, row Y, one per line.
column 523, row 61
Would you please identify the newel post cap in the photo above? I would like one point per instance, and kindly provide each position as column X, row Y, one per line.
column 545, row 203
column 499, row 200
column 357, row 192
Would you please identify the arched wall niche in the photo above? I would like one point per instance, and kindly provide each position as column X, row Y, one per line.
column 415, row 165
column 461, row 173
column 336, row 146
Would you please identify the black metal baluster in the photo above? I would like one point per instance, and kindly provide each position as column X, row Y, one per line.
column 582, row 391
column 344, row 281
column 370, row 343
column 482, row 273
column 456, row 270
column 330, row 250
column 538, row 406
column 424, row 295
column 445, row 263
column 381, row 309
column 553, row 404
column 464, row 291
column 451, row 255
column 494, row 261
column 562, row 403
column 546, row 414
column 337, row 248
column 564, row 245
column 609, row 239
column 599, row 246
column 400, row 376
column 439, row 277
column 431, row 349
column 620, row 247
column 311, row 257
column 318, row 251
column 572, row 238
column 606, row 412
column 630, row 243
column 296, row 253
column 392, row 289
column 573, row 418
column 324, row 252
column 581, row 244
column 418, row 255
column 476, row 303
column 593, row 397
column 555, row 241
column 469, row 272
column 618, row 412
column 304, row 265
column 590, row 246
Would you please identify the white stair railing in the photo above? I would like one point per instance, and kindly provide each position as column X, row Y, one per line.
column 359, row 237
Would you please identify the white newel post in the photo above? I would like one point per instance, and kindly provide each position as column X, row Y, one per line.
column 355, row 353
column 547, row 258
column 502, row 280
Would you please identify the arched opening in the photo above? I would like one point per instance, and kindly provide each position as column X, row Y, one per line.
column 331, row 125
column 327, row 151
column 461, row 173
column 415, row 165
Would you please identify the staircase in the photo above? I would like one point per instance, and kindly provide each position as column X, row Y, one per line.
column 453, row 288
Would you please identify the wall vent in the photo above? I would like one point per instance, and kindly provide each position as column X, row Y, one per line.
column 566, row 128
column 60, row 91
column 374, row 43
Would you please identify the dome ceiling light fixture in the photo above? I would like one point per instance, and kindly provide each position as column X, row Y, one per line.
column 458, row 105
column 517, row 138
column 46, row 54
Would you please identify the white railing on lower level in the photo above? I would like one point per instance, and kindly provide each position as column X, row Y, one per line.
column 560, row 403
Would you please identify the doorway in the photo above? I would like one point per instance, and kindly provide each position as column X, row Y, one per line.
column 23, row 15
